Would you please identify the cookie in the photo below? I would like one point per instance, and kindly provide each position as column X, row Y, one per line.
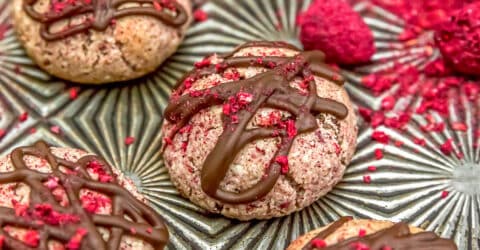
column 100, row 41
column 347, row 233
column 258, row 133
column 59, row 198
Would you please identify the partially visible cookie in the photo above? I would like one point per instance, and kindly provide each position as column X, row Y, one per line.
column 347, row 233
column 261, row 132
column 100, row 41
column 59, row 198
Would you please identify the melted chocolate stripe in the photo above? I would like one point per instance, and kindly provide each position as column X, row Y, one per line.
column 397, row 237
column 265, row 44
column 328, row 231
column 123, row 203
column 269, row 89
column 318, row 68
column 104, row 12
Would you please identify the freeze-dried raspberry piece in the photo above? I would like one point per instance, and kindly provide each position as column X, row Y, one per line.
column 459, row 40
column 334, row 28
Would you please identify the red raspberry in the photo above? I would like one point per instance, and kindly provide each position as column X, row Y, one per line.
column 425, row 14
column 283, row 162
column 200, row 15
column 334, row 28
column 318, row 243
column 459, row 40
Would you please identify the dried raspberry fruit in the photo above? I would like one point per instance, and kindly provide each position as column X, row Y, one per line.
column 283, row 162
column 447, row 147
column 459, row 40
column 200, row 15
column 318, row 243
column 424, row 14
column 381, row 137
column 323, row 27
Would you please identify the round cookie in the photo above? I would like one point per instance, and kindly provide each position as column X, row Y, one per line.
column 59, row 198
column 261, row 132
column 347, row 233
column 100, row 41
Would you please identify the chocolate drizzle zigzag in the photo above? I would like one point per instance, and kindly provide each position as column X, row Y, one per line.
column 270, row 89
column 397, row 237
column 143, row 220
column 104, row 13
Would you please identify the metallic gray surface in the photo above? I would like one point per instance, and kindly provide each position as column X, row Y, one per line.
column 407, row 185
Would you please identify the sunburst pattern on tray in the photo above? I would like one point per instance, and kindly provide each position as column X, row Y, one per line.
column 416, row 180
column 408, row 184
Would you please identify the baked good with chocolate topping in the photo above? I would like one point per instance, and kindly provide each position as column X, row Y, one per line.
column 59, row 198
column 100, row 41
column 347, row 233
column 261, row 132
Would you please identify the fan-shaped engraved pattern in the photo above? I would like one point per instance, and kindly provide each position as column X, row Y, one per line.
column 410, row 179
column 26, row 88
column 101, row 118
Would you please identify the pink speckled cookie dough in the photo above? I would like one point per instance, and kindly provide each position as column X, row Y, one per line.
column 18, row 196
column 316, row 161
column 130, row 47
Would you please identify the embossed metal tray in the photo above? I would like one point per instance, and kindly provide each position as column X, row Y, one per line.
column 407, row 185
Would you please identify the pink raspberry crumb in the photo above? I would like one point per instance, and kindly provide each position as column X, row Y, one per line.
column 318, row 243
column 378, row 154
column 283, row 162
column 200, row 16
column 23, row 117
column 73, row 93
column 367, row 179
column 381, row 137
column 76, row 240
column 129, row 140
column 458, row 40
column 445, row 194
column 55, row 129
column 447, row 147
column 32, row 238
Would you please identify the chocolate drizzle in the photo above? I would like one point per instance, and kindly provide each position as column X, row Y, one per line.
column 103, row 11
column 397, row 237
column 270, row 89
column 145, row 222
